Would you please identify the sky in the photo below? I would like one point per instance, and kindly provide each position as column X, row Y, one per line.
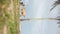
column 40, row 9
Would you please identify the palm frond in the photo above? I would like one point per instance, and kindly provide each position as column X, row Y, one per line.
column 55, row 4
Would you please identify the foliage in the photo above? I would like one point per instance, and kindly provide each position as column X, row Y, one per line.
column 55, row 4
column 2, row 1
column 7, row 18
column 13, row 28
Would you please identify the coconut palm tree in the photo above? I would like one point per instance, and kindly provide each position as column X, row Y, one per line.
column 9, row 17
column 55, row 4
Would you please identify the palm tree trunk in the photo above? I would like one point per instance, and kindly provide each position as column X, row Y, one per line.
column 9, row 17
